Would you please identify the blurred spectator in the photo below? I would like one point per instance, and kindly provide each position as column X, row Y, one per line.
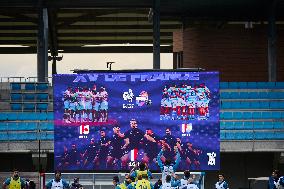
column 15, row 182
column 57, row 183
column 275, row 180
column 76, row 184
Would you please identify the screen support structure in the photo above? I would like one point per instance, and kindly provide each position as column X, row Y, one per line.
column 156, row 34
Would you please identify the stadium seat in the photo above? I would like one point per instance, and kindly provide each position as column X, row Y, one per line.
column 27, row 126
column 27, row 136
column 42, row 116
column 50, row 116
column 226, row 115
column 279, row 85
column 41, row 136
column 231, row 135
column 253, row 95
column 229, row 125
column 244, row 95
column 238, row 115
column 266, row 115
column 13, row 136
column 13, row 127
column 238, row 125
column 236, row 105
column 3, row 126
column 42, row 106
column 16, row 96
column 235, row 95
column 42, row 86
column 225, row 105
column 222, row 125
column 42, row 97
column 29, row 96
column 251, row 85
column 256, row 115
column 261, row 85
column 3, row 116
column 263, row 95
column 224, row 95
column 276, row 115
column 245, row 105
column 30, row 86
column 264, row 105
column 270, row 85
column 3, row 136
column 254, row 105
column 248, row 125
column 49, row 136
column 15, row 86
column 27, row 116
column 278, row 125
column 242, row 85
column 261, row 135
column 233, row 85
column 279, row 135
column 244, row 135
column 222, row 135
column 223, row 85
column 12, row 116
column 16, row 106
column 47, row 126
column 29, row 106
column 247, row 115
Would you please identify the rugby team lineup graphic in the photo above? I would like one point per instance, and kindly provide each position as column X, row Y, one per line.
column 111, row 121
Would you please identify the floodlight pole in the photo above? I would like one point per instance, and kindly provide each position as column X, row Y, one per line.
column 156, row 34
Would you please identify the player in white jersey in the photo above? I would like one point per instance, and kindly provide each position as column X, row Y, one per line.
column 67, row 99
column 78, row 104
column 104, row 104
column 183, row 182
column 168, row 168
column 275, row 180
column 174, row 100
column 167, row 184
column 201, row 107
column 221, row 184
column 165, row 105
column 87, row 95
column 57, row 183
column 191, row 184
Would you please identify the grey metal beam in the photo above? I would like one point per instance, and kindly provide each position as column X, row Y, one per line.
column 42, row 46
column 156, row 34
column 271, row 53
column 107, row 27
column 78, row 49
column 52, row 18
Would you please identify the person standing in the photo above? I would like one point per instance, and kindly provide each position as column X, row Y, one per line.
column 14, row 182
column 275, row 180
column 221, row 184
column 57, row 182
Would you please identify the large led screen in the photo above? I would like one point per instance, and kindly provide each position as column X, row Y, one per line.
column 109, row 121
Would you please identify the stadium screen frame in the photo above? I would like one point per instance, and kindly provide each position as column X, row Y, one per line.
column 145, row 98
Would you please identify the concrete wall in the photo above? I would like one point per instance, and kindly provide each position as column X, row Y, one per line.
column 239, row 54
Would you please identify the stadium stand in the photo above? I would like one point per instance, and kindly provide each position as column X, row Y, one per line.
column 249, row 111
column 252, row 110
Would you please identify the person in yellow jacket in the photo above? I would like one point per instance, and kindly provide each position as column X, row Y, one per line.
column 15, row 182
column 142, row 183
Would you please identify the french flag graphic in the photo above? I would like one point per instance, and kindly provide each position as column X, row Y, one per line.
column 133, row 154
column 186, row 128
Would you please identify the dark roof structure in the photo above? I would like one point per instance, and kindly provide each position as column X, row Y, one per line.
column 82, row 26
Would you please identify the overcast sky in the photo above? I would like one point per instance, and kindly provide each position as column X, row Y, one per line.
column 25, row 65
